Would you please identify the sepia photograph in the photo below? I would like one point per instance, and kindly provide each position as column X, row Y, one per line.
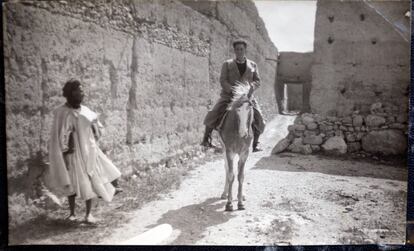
column 203, row 122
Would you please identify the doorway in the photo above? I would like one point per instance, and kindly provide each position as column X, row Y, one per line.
column 295, row 98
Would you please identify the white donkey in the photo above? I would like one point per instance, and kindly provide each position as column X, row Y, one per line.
column 236, row 136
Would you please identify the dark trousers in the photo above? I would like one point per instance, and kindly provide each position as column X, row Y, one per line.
column 213, row 117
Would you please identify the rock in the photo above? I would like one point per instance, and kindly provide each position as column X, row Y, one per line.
column 315, row 148
column 398, row 126
column 347, row 120
column 342, row 128
column 381, row 114
column 312, row 126
column 307, row 118
column 385, row 142
column 359, row 135
column 296, row 145
column 326, row 128
column 403, row 118
column 307, row 114
column 368, row 241
column 298, row 121
column 388, row 110
column 291, row 136
column 319, row 118
column 281, row 146
column 376, row 107
column 306, row 149
column 350, row 129
column 330, row 134
column 335, row 145
column 354, row 147
column 350, row 137
column 357, row 121
column 390, row 119
column 309, row 133
column 374, row 121
column 300, row 127
column 332, row 119
column 358, row 129
column 339, row 133
column 298, row 134
column 313, row 140
column 291, row 128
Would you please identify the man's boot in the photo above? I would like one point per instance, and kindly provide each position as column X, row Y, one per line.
column 207, row 137
column 256, row 142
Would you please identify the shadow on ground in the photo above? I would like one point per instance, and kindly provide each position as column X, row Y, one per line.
column 193, row 220
column 341, row 166
column 56, row 231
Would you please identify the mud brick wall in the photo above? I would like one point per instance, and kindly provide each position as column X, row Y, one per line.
column 361, row 56
column 228, row 24
column 150, row 70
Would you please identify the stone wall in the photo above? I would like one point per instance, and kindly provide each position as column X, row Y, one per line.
column 150, row 69
column 360, row 57
column 380, row 132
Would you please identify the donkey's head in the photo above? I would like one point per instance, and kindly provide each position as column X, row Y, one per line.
column 242, row 107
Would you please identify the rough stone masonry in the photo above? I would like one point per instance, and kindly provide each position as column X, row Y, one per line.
column 150, row 68
column 380, row 132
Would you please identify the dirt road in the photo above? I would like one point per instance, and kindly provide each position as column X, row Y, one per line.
column 290, row 199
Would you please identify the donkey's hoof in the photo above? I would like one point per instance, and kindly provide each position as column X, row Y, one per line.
column 224, row 196
column 229, row 207
column 240, row 206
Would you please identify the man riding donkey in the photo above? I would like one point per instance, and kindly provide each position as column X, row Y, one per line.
column 233, row 72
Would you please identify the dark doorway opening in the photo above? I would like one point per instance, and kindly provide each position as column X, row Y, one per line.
column 294, row 97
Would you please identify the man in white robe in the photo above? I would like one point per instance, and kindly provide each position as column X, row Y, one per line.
column 77, row 166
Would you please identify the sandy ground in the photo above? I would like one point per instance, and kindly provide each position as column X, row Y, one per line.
column 290, row 200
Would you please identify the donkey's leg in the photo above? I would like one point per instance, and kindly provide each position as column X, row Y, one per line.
column 240, row 176
column 226, row 182
column 230, row 179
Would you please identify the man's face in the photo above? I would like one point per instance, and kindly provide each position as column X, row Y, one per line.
column 77, row 95
column 240, row 51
